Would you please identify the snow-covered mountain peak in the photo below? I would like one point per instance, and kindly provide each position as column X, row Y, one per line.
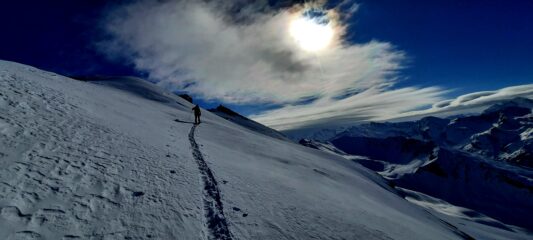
column 516, row 106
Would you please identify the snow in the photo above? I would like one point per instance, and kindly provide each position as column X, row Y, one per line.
column 477, row 225
column 478, row 162
column 234, row 117
column 75, row 155
column 487, row 187
column 527, row 134
column 96, row 161
column 513, row 105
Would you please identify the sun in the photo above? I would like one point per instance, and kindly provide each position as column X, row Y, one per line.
column 312, row 30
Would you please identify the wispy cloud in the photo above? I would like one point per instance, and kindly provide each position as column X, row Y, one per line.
column 242, row 53
column 370, row 105
column 472, row 102
column 391, row 105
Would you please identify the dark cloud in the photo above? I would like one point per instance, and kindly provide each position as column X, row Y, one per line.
column 283, row 61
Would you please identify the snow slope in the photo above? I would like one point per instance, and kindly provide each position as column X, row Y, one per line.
column 234, row 117
column 92, row 161
column 482, row 163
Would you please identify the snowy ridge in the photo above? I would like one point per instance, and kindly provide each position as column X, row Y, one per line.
column 508, row 105
column 234, row 117
column 135, row 86
column 87, row 161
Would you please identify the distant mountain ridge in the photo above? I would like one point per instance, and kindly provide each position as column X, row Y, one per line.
column 483, row 162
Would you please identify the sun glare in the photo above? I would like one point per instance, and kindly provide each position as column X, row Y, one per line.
column 311, row 33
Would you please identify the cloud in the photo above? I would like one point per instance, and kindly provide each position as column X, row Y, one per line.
column 391, row 105
column 468, row 103
column 241, row 52
column 369, row 105
column 243, row 56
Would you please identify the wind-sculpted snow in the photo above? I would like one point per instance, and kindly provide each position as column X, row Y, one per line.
column 80, row 160
column 66, row 173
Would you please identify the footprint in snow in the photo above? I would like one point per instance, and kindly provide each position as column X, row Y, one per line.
column 236, row 209
column 137, row 194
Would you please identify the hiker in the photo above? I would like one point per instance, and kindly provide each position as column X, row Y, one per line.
column 197, row 114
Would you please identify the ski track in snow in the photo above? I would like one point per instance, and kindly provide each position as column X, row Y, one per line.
column 214, row 212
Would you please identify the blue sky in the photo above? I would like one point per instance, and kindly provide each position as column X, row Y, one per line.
column 459, row 47
column 465, row 45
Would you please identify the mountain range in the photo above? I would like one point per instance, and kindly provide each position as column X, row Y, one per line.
column 482, row 162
